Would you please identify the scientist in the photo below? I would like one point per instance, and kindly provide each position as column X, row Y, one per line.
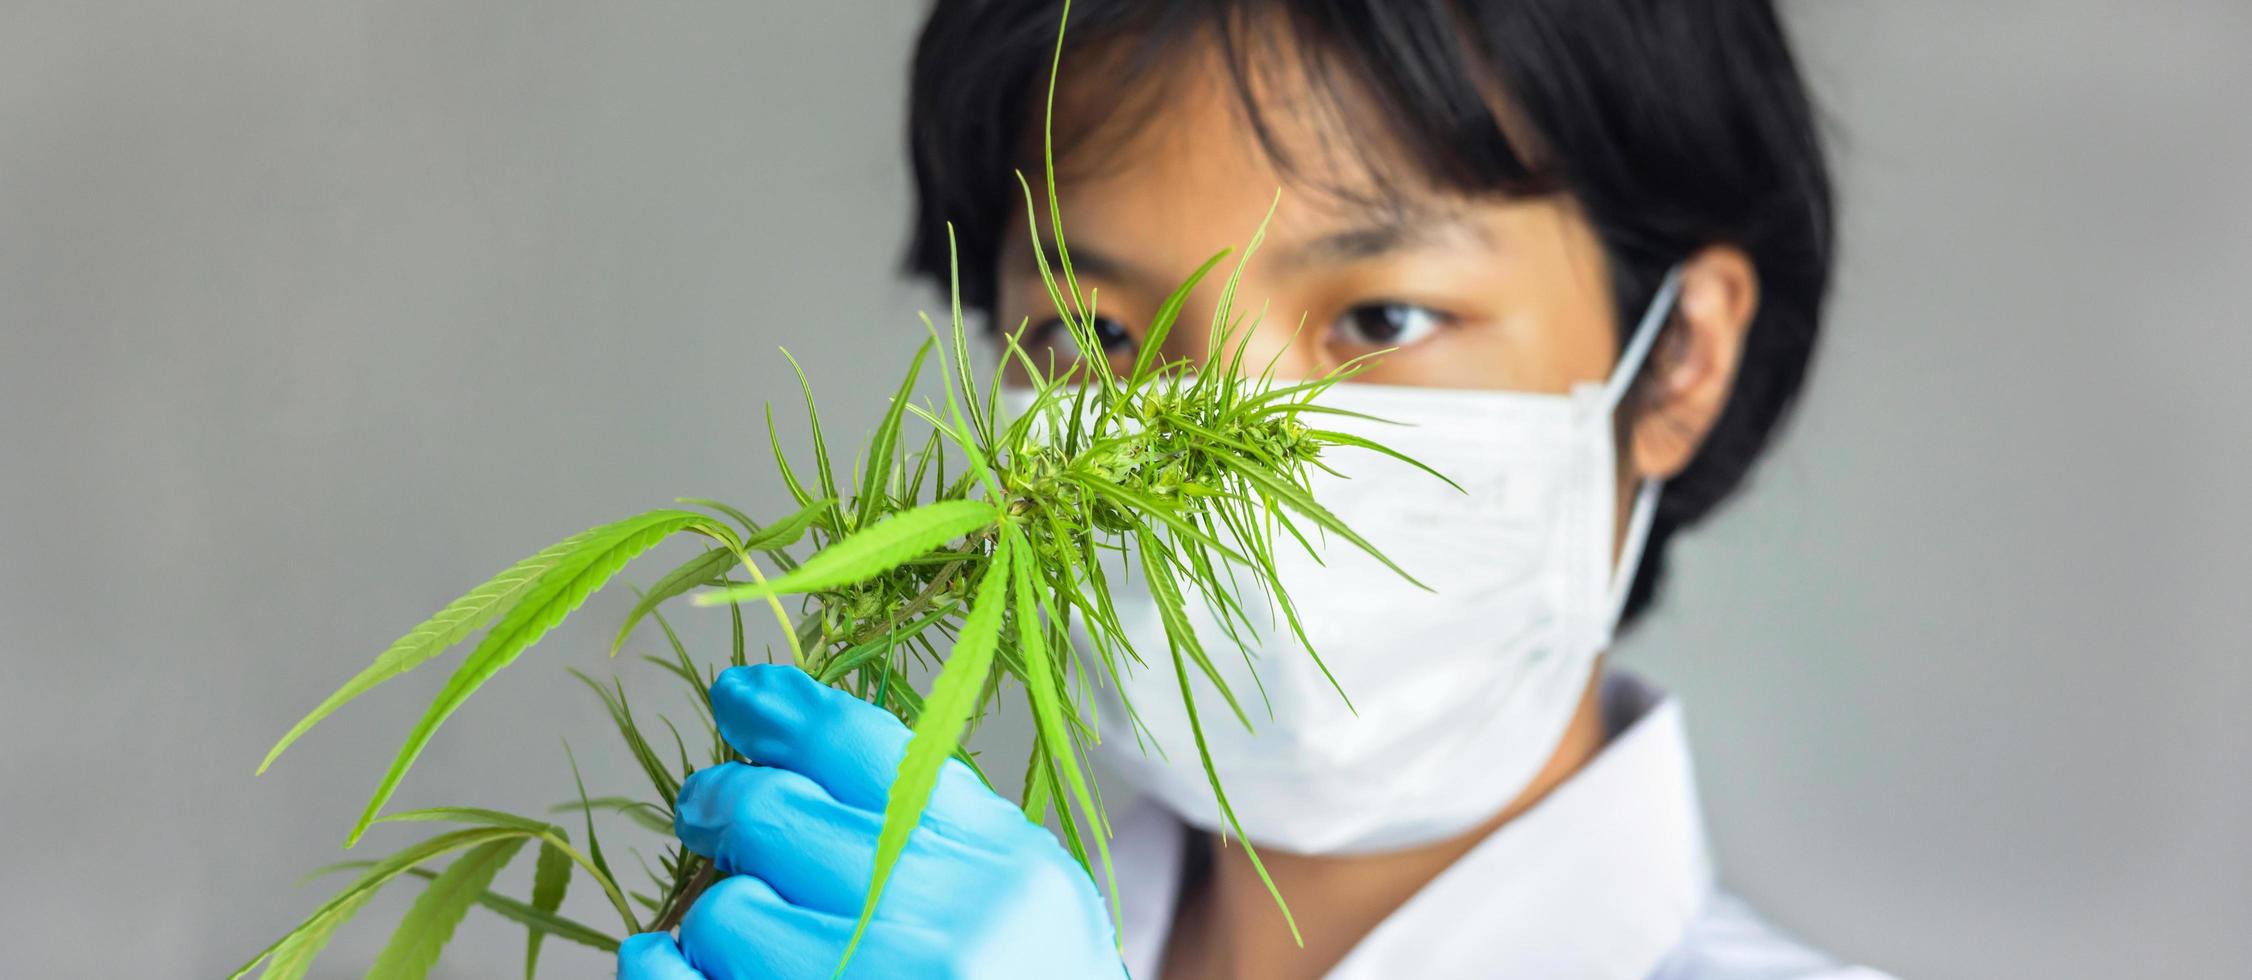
column 1595, row 238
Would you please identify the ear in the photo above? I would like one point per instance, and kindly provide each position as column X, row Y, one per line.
column 1693, row 365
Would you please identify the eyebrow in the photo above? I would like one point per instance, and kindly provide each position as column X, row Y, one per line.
column 1088, row 261
column 1381, row 233
column 1384, row 233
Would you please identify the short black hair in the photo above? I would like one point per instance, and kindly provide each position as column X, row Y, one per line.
column 1673, row 124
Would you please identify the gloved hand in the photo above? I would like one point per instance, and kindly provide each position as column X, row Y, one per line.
column 979, row 892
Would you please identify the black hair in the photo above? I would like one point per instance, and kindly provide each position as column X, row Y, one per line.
column 1673, row 124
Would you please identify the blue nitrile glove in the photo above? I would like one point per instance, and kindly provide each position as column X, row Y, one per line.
column 979, row 892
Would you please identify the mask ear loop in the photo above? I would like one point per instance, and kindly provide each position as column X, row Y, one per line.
column 1645, row 509
column 1645, row 336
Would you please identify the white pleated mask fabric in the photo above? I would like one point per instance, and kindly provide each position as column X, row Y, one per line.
column 1459, row 693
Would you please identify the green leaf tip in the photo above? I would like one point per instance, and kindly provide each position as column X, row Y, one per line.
column 429, row 925
column 938, row 729
column 449, row 626
column 558, row 592
column 873, row 551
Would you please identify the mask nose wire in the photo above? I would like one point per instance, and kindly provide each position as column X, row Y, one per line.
column 1645, row 496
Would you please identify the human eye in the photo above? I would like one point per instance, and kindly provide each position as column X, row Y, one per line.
column 1387, row 324
column 1052, row 335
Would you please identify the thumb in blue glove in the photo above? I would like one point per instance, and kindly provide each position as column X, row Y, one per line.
column 980, row 891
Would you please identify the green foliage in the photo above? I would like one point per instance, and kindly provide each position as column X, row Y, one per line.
column 938, row 729
column 451, row 625
column 985, row 574
column 709, row 568
column 1055, row 753
column 430, row 924
column 293, row 955
column 563, row 588
column 550, row 879
column 881, row 548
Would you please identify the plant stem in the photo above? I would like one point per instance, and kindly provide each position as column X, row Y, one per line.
column 915, row 606
column 922, row 601
column 689, row 891
column 797, row 653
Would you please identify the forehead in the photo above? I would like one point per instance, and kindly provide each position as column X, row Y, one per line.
column 1193, row 151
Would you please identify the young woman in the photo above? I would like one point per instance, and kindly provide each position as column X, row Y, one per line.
column 1593, row 238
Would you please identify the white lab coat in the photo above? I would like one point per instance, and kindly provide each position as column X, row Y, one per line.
column 1607, row 878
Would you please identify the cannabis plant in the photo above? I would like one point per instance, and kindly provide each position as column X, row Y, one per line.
column 961, row 541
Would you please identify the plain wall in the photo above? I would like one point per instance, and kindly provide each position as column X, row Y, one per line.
column 313, row 315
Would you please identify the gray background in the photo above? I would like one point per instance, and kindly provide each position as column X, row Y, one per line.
column 312, row 315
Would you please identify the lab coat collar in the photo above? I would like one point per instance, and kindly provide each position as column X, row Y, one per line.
column 1600, row 879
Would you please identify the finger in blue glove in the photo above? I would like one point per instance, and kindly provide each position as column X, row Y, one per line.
column 979, row 891
column 653, row 956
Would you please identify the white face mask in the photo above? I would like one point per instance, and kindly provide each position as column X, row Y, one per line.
column 1461, row 694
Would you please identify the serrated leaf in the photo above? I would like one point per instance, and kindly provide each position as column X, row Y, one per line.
column 787, row 531
column 682, row 665
column 514, row 910
column 593, row 842
column 877, row 471
column 1167, row 313
column 1358, row 442
column 835, row 668
column 712, row 566
column 470, row 815
column 1040, row 684
column 563, row 589
column 938, row 727
column 737, row 655
column 456, row 621
column 292, row 956
column 782, row 462
column 621, row 715
column 872, row 551
column 932, row 446
column 1220, row 796
column 429, row 925
column 749, row 526
column 704, row 569
column 1290, row 496
column 1039, row 791
column 1145, row 505
column 1180, row 635
column 551, row 877
column 823, row 474
column 977, row 427
column 959, row 432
